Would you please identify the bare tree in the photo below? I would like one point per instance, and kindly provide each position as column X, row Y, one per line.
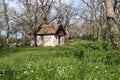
column 92, row 10
column 5, row 12
column 33, row 12
column 0, row 27
column 67, row 16
column 112, row 23
column 96, row 16
column 45, row 9
column 102, row 19
column 1, row 23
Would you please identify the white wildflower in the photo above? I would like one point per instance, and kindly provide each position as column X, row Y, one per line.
column 96, row 67
column 26, row 72
column 37, row 78
column 32, row 71
column 105, row 71
column 96, row 79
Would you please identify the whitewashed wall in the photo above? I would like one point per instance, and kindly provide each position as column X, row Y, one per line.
column 48, row 40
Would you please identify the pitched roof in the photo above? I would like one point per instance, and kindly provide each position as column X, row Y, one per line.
column 48, row 29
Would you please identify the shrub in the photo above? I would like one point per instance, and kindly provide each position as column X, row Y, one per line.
column 24, row 40
column 2, row 39
column 87, row 37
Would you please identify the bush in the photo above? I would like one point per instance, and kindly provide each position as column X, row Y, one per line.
column 87, row 37
column 2, row 39
column 24, row 40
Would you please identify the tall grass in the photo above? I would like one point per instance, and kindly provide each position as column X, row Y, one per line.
column 76, row 60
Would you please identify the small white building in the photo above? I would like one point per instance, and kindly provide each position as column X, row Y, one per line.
column 50, row 35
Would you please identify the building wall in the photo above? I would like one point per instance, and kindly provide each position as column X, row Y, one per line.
column 47, row 40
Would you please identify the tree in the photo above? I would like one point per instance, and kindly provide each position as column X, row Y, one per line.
column 66, row 15
column 33, row 13
column 112, row 23
column 92, row 16
column 5, row 12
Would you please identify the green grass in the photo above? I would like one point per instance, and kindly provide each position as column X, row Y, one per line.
column 76, row 60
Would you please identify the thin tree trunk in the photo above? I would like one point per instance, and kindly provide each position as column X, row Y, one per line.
column 32, row 23
column 7, row 22
column 100, row 32
column 101, row 21
column 93, row 15
column 0, row 32
column 112, row 24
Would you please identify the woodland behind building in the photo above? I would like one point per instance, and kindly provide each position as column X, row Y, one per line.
column 88, row 19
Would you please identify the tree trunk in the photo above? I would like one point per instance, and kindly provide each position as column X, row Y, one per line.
column 112, row 24
column 34, row 41
column 34, row 37
column 7, row 22
column 0, row 32
column 93, row 18
column 100, row 32
column 101, row 21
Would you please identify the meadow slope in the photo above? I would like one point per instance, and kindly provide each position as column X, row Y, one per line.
column 76, row 60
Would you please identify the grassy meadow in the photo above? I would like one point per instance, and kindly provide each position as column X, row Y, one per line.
column 76, row 60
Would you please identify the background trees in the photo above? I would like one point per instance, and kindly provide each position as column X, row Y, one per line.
column 79, row 18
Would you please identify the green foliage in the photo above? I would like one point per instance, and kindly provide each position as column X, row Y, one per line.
column 87, row 37
column 76, row 60
column 112, row 58
column 105, row 45
column 24, row 40
column 2, row 39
